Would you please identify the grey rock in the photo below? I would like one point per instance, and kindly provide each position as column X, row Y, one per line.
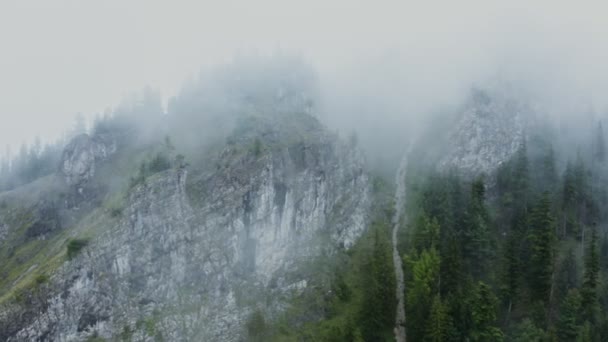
column 491, row 128
column 81, row 155
column 193, row 255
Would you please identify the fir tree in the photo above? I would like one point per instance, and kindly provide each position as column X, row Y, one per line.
column 567, row 276
column 477, row 240
column 590, row 278
column 439, row 325
column 511, row 271
column 600, row 144
column 542, row 243
column 378, row 308
column 568, row 323
column 421, row 290
column 483, row 315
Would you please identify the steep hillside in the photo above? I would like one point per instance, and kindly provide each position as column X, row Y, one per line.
column 188, row 252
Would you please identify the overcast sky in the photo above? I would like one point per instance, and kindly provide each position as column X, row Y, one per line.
column 61, row 57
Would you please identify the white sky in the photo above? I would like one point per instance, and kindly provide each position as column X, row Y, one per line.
column 61, row 57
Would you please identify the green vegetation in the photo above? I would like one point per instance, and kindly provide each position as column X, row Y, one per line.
column 257, row 147
column 256, row 327
column 355, row 290
column 158, row 163
column 75, row 246
column 520, row 260
column 96, row 338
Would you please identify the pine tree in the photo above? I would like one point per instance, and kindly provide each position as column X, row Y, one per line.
column 421, row 290
column 527, row 331
column 439, row 325
column 585, row 333
column 378, row 308
column 600, row 144
column 590, row 278
column 483, row 315
column 477, row 239
column 521, row 179
column 426, row 233
column 567, row 276
column 451, row 267
column 548, row 172
column 511, row 271
column 568, row 323
column 542, row 241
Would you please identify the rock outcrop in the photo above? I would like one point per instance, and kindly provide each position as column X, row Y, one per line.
column 489, row 131
column 194, row 253
column 81, row 155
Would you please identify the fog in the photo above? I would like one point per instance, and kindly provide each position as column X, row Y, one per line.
column 382, row 67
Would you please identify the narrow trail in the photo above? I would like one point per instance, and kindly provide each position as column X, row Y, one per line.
column 400, row 194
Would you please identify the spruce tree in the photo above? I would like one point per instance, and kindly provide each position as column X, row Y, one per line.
column 548, row 172
column 542, row 242
column 568, row 323
column 439, row 325
column 421, row 290
column 378, row 307
column 477, row 239
column 511, row 271
column 483, row 315
column 567, row 276
column 590, row 278
column 521, row 179
column 599, row 152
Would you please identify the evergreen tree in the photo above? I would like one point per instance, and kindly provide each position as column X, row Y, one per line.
column 439, row 326
column 542, row 243
column 426, row 233
column 568, row 324
column 585, row 333
column 421, row 290
column 548, row 179
column 256, row 326
column 511, row 271
column 599, row 152
column 521, row 179
column 477, row 239
column 590, row 278
column 567, row 276
column 483, row 313
column 378, row 307
column 451, row 267
column 527, row 331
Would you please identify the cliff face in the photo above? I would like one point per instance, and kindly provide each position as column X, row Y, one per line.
column 489, row 130
column 194, row 251
column 81, row 154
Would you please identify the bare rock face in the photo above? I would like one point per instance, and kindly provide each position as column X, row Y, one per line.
column 194, row 253
column 490, row 130
column 80, row 156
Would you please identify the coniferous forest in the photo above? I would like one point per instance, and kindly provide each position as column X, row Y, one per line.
column 521, row 255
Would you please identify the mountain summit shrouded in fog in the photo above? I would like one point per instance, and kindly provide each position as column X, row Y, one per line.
column 391, row 172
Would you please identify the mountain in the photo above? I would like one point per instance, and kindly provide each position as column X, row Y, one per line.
column 490, row 128
column 190, row 253
column 238, row 216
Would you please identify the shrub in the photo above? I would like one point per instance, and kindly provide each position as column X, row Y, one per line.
column 41, row 279
column 75, row 246
column 115, row 212
column 159, row 163
column 257, row 147
column 256, row 326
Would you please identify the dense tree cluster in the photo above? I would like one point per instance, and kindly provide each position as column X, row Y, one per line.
column 516, row 258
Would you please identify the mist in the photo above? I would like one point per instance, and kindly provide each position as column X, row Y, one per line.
column 283, row 170
column 384, row 66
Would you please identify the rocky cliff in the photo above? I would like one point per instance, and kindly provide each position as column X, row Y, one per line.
column 490, row 128
column 193, row 251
